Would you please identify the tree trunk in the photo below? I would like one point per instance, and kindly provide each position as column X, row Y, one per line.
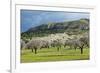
column 35, row 50
column 32, row 50
column 57, row 48
column 81, row 50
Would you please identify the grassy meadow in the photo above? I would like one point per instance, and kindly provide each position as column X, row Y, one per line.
column 51, row 54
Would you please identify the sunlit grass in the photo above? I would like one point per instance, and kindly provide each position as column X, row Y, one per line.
column 51, row 54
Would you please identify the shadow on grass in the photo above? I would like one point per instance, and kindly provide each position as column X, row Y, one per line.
column 62, row 55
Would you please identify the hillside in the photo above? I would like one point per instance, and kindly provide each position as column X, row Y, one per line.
column 71, row 28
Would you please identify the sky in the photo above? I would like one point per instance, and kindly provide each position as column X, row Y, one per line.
column 33, row 18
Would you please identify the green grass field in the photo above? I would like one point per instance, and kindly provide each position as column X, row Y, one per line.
column 51, row 54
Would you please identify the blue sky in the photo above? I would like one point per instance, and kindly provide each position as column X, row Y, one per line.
column 32, row 18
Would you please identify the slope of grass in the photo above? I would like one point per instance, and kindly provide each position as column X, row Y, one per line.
column 51, row 54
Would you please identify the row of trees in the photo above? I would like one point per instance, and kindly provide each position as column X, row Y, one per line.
column 38, row 43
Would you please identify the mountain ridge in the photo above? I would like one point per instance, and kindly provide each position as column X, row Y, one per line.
column 60, row 27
